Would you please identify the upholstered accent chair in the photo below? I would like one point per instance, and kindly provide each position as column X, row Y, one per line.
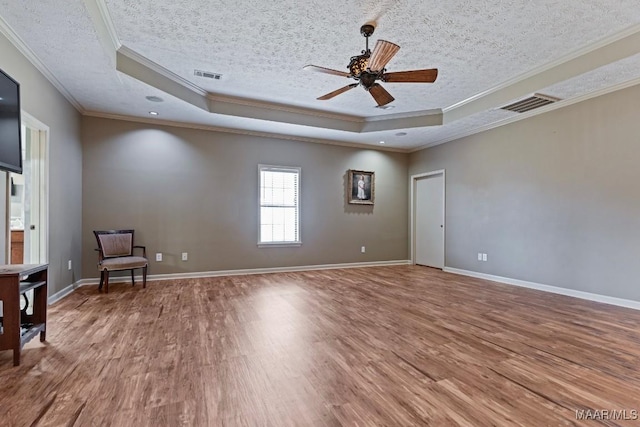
column 115, row 253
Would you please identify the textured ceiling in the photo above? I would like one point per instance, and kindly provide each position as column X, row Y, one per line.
column 260, row 49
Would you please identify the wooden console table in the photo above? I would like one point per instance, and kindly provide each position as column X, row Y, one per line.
column 19, row 328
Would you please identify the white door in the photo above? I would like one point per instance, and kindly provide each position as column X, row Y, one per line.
column 429, row 220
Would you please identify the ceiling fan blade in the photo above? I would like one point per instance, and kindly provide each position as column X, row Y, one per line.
column 337, row 92
column 382, row 54
column 326, row 70
column 413, row 76
column 381, row 96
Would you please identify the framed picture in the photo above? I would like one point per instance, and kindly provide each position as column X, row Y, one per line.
column 361, row 187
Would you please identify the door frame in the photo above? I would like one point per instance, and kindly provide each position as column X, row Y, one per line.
column 44, row 132
column 412, row 236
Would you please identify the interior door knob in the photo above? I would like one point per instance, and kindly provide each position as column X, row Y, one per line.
column 33, row 227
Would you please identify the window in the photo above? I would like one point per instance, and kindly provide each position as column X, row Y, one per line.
column 279, row 205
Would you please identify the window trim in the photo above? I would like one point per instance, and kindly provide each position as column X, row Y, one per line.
column 279, row 168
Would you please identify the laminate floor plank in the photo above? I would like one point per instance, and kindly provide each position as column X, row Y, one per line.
column 378, row 346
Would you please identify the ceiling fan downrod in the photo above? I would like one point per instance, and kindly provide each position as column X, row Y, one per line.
column 367, row 30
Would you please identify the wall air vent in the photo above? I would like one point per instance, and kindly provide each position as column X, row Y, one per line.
column 207, row 74
column 531, row 103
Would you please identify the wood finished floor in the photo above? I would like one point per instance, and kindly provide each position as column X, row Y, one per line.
column 388, row 346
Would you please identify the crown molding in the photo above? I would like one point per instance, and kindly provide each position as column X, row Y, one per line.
column 247, row 102
column 22, row 47
column 610, row 49
column 210, row 128
column 104, row 26
column 403, row 121
column 532, row 113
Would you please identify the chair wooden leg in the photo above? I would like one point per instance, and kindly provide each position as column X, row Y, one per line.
column 133, row 281
column 106, row 281
column 101, row 280
column 144, row 276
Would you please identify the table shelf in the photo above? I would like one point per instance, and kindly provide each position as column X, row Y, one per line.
column 19, row 328
column 27, row 334
column 27, row 286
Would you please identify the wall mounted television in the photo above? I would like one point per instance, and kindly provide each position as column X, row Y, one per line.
column 10, row 124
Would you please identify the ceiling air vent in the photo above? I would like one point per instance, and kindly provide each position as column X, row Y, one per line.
column 531, row 103
column 207, row 74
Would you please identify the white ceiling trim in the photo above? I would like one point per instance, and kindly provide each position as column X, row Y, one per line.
column 287, row 108
column 161, row 122
column 614, row 48
column 103, row 24
column 22, row 47
column 141, row 68
column 529, row 114
column 403, row 120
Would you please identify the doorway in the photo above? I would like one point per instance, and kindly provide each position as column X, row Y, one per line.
column 427, row 219
column 28, row 198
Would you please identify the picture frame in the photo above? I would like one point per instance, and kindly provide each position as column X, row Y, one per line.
column 361, row 189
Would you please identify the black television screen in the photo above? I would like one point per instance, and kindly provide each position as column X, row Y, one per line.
column 10, row 142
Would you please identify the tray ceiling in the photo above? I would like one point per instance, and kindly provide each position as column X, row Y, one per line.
column 108, row 55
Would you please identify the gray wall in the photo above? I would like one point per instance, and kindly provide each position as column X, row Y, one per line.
column 554, row 199
column 196, row 191
column 45, row 103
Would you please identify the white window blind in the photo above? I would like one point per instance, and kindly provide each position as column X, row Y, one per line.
column 279, row 205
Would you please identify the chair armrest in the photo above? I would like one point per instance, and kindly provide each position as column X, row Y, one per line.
column 144, row 250
column 100, row 256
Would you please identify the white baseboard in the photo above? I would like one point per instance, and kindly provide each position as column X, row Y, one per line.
column 546, row 288
column 248, row 271
column 61, row 294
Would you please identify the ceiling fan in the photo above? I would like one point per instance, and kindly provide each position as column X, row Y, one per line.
column 368, row 67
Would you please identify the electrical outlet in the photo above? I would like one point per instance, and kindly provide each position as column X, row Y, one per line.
column 363, row 249
column 484, row 257
column 69, row 265
column 159, row 257
column 479, row 256
column 185, row 256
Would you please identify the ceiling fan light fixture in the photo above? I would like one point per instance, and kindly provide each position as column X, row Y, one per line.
column 359, row 64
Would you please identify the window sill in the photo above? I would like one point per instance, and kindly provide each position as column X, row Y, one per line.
column 280, row 245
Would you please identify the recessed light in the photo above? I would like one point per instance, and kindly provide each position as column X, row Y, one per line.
column 401, row 134
column 381, row 142
column 153, row 113
column 154, row 98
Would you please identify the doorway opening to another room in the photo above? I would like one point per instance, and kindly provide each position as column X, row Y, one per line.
column 28, row 197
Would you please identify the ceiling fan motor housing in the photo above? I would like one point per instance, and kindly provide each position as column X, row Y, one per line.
column 367, row 79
